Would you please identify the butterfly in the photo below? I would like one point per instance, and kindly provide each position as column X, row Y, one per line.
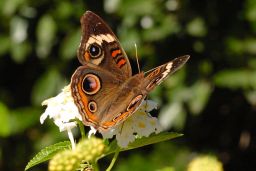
column 103, row 88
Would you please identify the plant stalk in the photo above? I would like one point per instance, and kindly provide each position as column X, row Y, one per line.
column 113, row 160
column 81, row 127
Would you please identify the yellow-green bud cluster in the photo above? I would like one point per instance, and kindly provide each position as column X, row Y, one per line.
column 205, row 163
column 86, row 151
column 64, row 161
column 89, row 150
column 166, row 169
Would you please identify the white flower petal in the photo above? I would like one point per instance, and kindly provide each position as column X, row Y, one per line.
column 125, row 136
column 62, row 110
column 109, row 134
column 43, row 117
column 92, row 131
column 148, row 105
column 66, row 126
column 140, row 124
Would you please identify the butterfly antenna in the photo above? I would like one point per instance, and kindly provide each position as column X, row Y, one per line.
column 137, row 59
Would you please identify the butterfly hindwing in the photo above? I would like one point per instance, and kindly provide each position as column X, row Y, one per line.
column 102, row 99
column 92, row 89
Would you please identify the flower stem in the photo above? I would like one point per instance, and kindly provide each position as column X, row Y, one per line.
column 113, row 160
column 95, row 166
column 81, row 127
column 71, row 138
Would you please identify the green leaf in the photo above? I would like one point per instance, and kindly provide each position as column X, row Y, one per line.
column 250, row 10
column 252, row 63
column 172, row 115
column 64, row 10
column 47, row 153
column 154, row 138
column 5, row 43
column 20, row 47
column 197, row 27
column 20, row 51
column 128, row 37
column 140, row 142
column 46, row 32
column 200, row 93
column 239, row 46
column 251, row 97
column 70, row 44
column 4, row 121
column 28, row 115
column 8, row 8
column 47, row 85
column 11, row 119
column 198, row 46
column 250, row 45
column 175, row 81
column 235, row 79
column 137, row 7
column 234, row 45
column 205, row 67
column 166, row 26
column 111, row 6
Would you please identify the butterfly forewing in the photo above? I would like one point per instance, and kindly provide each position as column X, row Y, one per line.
column 158, row 74
column 97, row 34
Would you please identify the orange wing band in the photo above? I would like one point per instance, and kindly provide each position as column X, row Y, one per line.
column 121, row 62
column 115, row 53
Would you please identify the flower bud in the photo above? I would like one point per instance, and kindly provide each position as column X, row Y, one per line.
column 90, row 149
column 64, row 161
column 205, row 163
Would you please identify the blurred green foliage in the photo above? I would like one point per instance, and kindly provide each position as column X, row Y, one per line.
column 212, row 99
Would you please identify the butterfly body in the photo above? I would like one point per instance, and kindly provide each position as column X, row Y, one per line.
column 104, row 89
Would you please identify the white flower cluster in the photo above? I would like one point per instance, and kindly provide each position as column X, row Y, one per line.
column 63, row 111
column 140, row 124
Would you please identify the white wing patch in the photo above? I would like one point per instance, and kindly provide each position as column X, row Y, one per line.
column 99, row 39
column 166, row 72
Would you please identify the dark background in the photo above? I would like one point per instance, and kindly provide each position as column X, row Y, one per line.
column 212, row 100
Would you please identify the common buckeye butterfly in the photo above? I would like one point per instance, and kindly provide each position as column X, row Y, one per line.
column 104, row 89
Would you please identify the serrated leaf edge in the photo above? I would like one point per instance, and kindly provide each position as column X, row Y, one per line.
column 47, row 152
column 164, row 136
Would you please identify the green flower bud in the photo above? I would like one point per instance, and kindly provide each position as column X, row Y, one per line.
column 205, row 163
column 86, row 151
column 90, row 149
column 64, row 161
